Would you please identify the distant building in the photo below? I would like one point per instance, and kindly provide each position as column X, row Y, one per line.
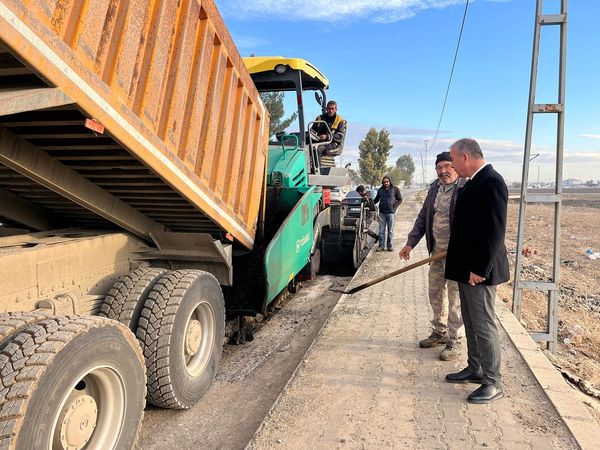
column 571, row 182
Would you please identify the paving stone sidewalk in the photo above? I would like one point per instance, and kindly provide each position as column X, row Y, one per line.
column 365, row 383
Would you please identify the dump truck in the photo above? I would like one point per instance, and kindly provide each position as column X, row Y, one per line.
column 143, row 217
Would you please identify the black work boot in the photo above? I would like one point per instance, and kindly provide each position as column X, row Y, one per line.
column 464, row 376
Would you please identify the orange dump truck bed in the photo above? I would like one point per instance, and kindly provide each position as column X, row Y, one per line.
column 179, row 135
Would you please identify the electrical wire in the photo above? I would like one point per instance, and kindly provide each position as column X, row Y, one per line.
column 462, row 26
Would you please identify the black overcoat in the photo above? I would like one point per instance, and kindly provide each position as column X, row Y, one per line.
column 477, row 230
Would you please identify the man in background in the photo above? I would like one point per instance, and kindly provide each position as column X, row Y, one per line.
column 370, row 209
column 366, row 198
column 389, row 199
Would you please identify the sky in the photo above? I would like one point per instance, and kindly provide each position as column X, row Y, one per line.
column 388, row 63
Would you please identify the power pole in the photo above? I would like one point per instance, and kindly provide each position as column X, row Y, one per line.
column 425, row 163
column 549, row 335
column 423, row 157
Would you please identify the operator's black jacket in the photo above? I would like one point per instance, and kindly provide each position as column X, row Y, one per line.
column 424, row 224
column 477, row 230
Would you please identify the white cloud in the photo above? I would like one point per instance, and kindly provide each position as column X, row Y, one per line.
column 590, row 136
column 505, row 155
column 332, row 10
column 583, row 157
column 249, row 42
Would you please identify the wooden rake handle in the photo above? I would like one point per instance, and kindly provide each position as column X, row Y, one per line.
column 396, row 272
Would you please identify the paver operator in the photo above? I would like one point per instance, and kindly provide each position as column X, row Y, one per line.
column 337, row 126
column 433, row 222
column 389, row 199
column 477, row 260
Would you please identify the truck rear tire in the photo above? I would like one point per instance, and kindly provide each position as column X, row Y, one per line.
column 126, row 298
column 72, row 382
column 181, row 330
column 13, row 323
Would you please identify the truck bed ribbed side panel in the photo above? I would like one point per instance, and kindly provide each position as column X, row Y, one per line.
column 165, row 79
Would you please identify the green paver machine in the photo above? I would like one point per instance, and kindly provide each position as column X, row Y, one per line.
column 301, row 228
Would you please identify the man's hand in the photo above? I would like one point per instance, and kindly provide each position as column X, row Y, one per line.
column 322, row 137
column 405, row 252
column 475, row 279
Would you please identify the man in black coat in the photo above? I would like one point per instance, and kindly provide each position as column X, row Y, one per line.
column 389, row 199
column 477, row 260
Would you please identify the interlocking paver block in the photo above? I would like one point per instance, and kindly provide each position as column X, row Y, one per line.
column 479, row 422
column 457, row 431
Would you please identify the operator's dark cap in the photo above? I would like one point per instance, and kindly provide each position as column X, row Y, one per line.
column 444, row 156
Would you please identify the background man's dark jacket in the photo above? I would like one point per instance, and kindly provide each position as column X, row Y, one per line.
column 477, row 230
column 389, row 199
column 424, row 224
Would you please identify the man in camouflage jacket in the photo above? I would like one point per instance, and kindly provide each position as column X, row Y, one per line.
column 433, row 222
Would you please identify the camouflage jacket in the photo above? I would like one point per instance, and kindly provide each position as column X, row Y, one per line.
column 424, row 224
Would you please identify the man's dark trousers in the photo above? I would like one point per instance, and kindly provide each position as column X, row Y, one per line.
column 483, row 341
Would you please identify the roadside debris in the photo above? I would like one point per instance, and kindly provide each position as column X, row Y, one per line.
column 535, row 270
column 591, row 254
column 573, row 333
column 583, row 385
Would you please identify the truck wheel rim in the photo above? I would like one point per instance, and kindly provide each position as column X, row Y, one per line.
column 199, row 338
column 91, row 412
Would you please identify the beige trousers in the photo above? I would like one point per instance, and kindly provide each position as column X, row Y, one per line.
column 445, row 302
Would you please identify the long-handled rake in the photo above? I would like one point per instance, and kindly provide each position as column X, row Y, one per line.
column 391, row 274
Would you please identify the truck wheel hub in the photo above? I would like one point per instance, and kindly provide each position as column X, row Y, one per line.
column 193, row 337
column 79, row 422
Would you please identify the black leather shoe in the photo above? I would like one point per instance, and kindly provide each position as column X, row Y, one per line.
column 464, row 376
column 486, row 393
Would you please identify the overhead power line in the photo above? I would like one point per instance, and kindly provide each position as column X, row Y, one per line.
column 462, row 26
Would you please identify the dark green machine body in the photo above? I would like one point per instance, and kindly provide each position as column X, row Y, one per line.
column 291, row 208
column 286, row 237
